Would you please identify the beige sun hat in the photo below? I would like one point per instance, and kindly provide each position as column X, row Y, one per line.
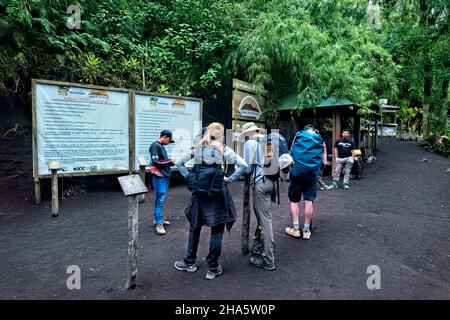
column 249, row 127
column 285, row 165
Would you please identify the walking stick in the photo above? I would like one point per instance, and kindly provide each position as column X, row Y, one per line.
column 246, row 216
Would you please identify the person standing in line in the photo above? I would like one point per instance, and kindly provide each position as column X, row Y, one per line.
column 263, row 193
column 216, row 209
column 161, row 175
column 308, row 154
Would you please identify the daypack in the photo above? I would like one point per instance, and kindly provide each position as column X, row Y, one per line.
column 206, row 179
column 307, row 151
column 271, row 167
column 271, row 161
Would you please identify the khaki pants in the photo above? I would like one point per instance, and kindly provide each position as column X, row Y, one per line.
column 263, row 241
column 346, row 164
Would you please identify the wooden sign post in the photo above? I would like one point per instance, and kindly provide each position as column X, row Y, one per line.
column 132, row 187
column 54, row 166
column 246, row 106
column 143, row 163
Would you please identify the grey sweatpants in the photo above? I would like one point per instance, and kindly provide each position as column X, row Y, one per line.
column 263, row 241
column 346, row 164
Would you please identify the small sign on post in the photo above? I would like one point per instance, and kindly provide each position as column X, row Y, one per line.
column 54, row 166
column 143, row 163
column 132, row 187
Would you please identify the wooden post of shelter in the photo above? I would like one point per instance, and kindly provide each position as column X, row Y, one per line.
column 336, row 118
column 375, row 140
column 357, row 133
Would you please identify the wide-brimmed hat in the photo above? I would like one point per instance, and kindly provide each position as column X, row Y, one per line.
column 249, row 127
column 286, row 162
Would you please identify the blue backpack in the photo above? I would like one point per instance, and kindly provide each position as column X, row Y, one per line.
column 307, row 152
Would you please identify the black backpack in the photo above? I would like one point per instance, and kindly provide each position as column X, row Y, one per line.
column 206, row 179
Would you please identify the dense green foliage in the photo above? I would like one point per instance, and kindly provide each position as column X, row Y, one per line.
column 318, row 48
column 418, row 38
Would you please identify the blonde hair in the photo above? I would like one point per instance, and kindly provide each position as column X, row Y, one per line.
column 214, row 136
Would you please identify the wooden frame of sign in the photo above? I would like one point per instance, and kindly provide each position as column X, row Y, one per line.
column 131, row 130
column 36, row 175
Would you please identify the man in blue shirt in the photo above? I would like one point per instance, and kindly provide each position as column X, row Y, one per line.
column 161, row 174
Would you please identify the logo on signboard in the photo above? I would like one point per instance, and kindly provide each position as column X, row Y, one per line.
column 63, row 90
column 178, row 103
column 64, row 169
column 98, row 92
column 249, row 107
column 93, row 168
column 153, row 101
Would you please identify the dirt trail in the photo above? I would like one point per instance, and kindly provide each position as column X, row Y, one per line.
column 397, row 218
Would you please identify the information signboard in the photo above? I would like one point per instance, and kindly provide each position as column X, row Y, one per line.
column 154, row 113
column 86, row 129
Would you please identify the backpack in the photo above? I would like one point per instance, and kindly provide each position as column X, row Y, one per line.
column 271, row 163
column 206, row 179
column 307, row 151
column 271, row 166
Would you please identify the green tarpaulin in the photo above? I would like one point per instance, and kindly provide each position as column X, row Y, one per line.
column 289, row 102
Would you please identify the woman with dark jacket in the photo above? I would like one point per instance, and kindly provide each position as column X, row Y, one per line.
column 216, row 212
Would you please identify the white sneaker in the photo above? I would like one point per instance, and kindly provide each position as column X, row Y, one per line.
column 160, row 229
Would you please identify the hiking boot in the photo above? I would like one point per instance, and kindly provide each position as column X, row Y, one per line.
column 260, row 262
column 293, row 232
column 160, row 229
column 182, row 266
column 165, row 223
column 333, row 185
column 345, row 186
column 211, row 274
column 306, row 234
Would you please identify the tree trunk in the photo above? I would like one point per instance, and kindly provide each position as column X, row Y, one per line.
column 444, row 96
column 427, row 68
